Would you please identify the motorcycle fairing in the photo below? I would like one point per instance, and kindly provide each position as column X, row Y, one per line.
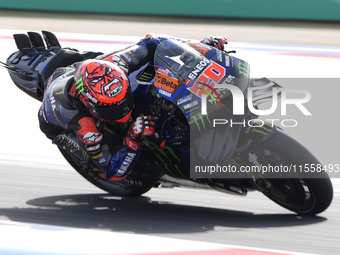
column 197, row 68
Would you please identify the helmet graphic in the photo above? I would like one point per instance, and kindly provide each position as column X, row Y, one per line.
column 104, row 89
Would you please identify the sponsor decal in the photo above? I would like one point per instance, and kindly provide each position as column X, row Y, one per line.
column 243, row 68
column 79, row 84
column 184, row 99
column 91, row 137
column 69, row 142
column 102, row 160
column 166, row 158
column 166, row 83
column 227, row 60
column 137, row 127
column 230, row 79
column 202, row 122
column 132, row 145
column 114, row 88
column 206, row 81
column 164, row 93
column 91, row 98
column 219, row 55
column 146, row 77
column 126, row 163
column 198, row 69
column 52, row 100
column 201, row 48
column 127, row 56
column 191, row 105
column 187, row 82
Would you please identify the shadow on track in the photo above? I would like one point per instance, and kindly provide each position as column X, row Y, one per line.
column 142, row 215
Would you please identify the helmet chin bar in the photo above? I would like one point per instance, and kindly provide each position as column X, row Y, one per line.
column 125, row 119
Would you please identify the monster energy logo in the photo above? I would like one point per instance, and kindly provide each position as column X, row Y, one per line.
column 265, row 129
column 146, row 77
column 79, row 85
column 243, row 68
column 166, row 157
column 200, row 121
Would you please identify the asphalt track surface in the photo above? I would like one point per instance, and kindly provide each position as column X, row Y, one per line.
column 45, row 190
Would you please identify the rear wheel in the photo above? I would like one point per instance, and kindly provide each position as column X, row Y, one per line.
column 128, row 187
column 306, row 193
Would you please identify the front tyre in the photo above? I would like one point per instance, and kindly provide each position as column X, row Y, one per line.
column 128, row 187
column 308, row 193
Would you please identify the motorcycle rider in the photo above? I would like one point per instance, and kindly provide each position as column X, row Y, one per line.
column 79, row 98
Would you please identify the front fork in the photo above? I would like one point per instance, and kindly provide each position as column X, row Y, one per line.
column 249, row 152
column 256, row 131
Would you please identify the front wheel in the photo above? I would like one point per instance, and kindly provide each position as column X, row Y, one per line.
column 307, row 193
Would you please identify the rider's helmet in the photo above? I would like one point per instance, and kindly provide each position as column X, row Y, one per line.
column 104, row 90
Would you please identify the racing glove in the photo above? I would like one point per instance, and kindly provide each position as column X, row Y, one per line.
column 215, row 41
column 89, row 136
column 143, row 126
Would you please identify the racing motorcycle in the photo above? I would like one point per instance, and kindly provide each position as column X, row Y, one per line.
column 183, row 75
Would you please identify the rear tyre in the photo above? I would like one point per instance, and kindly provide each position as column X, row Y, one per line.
column 128, row 187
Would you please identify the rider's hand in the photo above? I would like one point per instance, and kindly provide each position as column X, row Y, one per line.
column 143, row 126
column 215, row 41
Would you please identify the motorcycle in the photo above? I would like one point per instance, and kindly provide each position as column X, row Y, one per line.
column 173, row 89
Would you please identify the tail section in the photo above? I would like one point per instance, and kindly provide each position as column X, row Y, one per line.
column 38, row 56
